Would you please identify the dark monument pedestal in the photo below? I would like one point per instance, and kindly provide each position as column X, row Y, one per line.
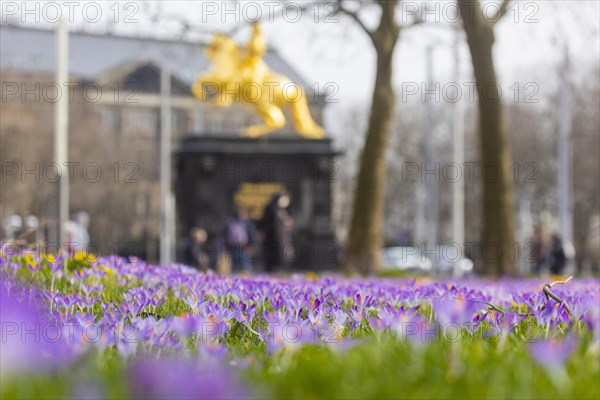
column 213, row 173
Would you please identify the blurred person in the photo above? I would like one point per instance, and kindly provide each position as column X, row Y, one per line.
column 538, row 251
column 570, row 259
column 275, row 225
column 76, row 231
column 557, row 257
column 193, row 251
column 239, row 236
column 404, row 238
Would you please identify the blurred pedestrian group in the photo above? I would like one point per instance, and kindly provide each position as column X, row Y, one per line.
column 553, row 255
column 31, row 234
column 243, row 246
column 76, row 232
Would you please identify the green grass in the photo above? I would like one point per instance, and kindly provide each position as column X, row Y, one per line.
column 374, row 366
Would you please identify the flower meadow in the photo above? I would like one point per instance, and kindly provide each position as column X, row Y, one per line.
column 84, row 327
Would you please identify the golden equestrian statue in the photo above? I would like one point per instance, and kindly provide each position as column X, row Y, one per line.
column 242, row 75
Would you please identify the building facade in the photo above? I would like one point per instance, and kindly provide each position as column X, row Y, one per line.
column 114, row 127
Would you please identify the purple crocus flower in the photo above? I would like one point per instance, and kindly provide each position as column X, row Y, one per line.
column 169, row 378
column 28, row 340
column 277, row 302
column 450, row 310
column 289, row 334
column 186, row 325
column 242, row 312
column 553, row 352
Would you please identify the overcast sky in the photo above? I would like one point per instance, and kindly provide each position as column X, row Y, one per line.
column 528, row 40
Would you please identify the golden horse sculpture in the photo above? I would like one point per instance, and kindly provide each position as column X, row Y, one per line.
column 243, row 76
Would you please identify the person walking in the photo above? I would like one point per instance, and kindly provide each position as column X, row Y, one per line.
column 557, row 258
column 239, row 236
column 77, row 236
column 538, row 251
column 193, row 249
column 275, row 226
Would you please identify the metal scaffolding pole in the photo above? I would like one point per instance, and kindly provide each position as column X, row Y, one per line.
column 166, row 232
column 61, row 127
column 458, row 150
column 430, row 173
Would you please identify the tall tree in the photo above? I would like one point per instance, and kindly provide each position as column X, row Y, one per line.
column 498, row 253
column 366, row 227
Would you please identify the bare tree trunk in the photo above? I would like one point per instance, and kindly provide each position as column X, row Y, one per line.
column 497, row 248
column 366, row 229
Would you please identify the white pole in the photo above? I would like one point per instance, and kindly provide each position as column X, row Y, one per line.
column 458, row 150
column 61, row 126
column 429, row 158
column 564, row 154
column 165, row 165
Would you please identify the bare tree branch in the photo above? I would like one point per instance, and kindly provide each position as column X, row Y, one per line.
column 560, row 282
column 501, row 11
column 272, row 17
column 551, row 295
column 418, row 21
column 490, row 305
column 352, row 14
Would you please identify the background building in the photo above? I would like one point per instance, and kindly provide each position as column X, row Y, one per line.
column 114, row 127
